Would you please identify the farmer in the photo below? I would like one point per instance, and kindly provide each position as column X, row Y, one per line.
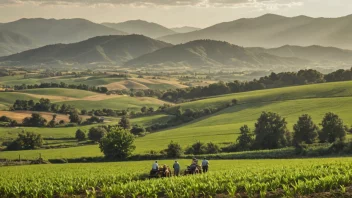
column 194, row 164
column 155, row 167
column 176, row 167
column 205, row 165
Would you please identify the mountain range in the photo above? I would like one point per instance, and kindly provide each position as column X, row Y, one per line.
column 184, row 29
column 145, row 28
column 113, row 49
column 274, row 31
column 206, row 53
column 40, row 32
column 11, row 42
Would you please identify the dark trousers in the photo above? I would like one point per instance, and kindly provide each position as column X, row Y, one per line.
column 205, row 169
column 176, row 172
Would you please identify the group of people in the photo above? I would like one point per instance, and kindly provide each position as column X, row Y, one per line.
column 177, row 168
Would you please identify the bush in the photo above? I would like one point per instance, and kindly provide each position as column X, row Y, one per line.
column 137, row 130
column 5, row 119
column 125, row 123
column 80, row 135
column 74, row 118
column 246, row 138
column 117, row 144
column 212, row 148
column 36, row 120
column 26, row 141
column 196, row 149
column 174, row 150
column 96, row 133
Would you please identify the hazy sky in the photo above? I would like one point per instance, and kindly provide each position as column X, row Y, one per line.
column 171, row 13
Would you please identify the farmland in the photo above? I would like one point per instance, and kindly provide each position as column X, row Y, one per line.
column 241, row 178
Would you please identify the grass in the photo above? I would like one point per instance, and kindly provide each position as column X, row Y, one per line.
column 8, row 98
column 121, row 103
column 74, row 93
column 223, row 127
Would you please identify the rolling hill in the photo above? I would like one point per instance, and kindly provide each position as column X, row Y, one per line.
column 211, row 53
column 50, row 31
column 11, row 42
column 185, row 29
column 115, row 49
column 274, row 31
column 145, row 28
column 314, row 53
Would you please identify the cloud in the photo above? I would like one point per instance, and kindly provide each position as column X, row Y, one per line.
column 264, row 4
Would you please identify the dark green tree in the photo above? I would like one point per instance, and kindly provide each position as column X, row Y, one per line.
column 137, row 130
column 36, row 120
column 271, row 131
column 196, row 148
column 96, row 133
column 118, row 144
column 174, row 150
column 246, row 138
column 75, row 118
column 26, row 141
column 333, row 128
column 125, row 123
column 144, row 109
column 212, row 148
column 80, row 135
column 305, row 130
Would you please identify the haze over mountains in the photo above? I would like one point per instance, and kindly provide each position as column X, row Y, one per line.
column 42, row 32
column 185, row 29
column 152, row 30
column 11, row 42
column 274, row 31
column 102, row 49
column 211, row 53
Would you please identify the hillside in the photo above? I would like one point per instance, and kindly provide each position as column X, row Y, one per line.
column 11, row 43
column 102, row 49
column 50, row 31
column 273, row 31
column 185, row 29
column 211, row 53
column 314, row 53
column 145, row 28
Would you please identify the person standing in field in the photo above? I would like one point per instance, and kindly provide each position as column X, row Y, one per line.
column 205, row 165
column 176, row 167
column 155, row 166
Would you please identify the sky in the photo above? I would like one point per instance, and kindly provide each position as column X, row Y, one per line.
column 170, row 13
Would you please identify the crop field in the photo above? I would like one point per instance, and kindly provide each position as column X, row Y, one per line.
column 73, row 93
column 240, row 178
column 20, row 115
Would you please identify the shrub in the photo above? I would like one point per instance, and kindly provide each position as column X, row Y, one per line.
column 74, row 118
column 174, row 150
column 125, row 123
column 26, row 141
column 36, row 120
column 212, row 148
column 117, row 144
column 196, row 149
column 80, row 135
column 137, row 130
column 246, row 138
column 96, row 133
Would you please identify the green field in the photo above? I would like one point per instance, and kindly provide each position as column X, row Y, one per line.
column 223, row 127
column 283, row 178
column 74, row 93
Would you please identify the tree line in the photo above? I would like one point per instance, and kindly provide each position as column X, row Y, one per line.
column 62, row 85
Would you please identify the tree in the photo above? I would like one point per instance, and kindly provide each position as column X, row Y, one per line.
column 144, row 109
column 174, row 150
column 26, row 141
column 271, row 131
column 197, row 148
column 137, row 130
column 84, row 112
column 35, row 120
column 96, row 133
column 125, row 123
column 212, row 148
column 246, row 138
column 80, row 135
column 118, row 144
column 333, row 128
column 150, row 110
column 305, row 130
column 74, row 117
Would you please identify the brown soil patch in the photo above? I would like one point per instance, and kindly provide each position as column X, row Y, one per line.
column 115, row 86
column 20, row 115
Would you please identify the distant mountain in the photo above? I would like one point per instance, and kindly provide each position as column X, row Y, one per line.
column 273, row 31
column 11, row 43
column 102, row 49
column 314, row 53
column 210, row 53
column 51, row 31
column 185, row 29
column 145, row 28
